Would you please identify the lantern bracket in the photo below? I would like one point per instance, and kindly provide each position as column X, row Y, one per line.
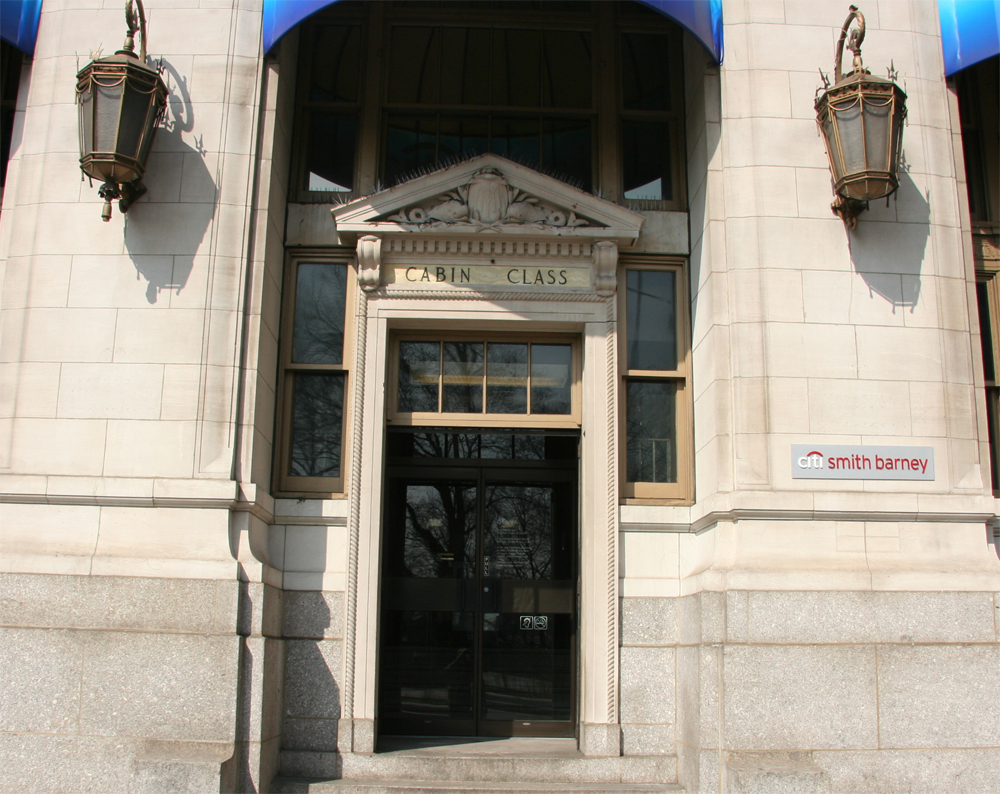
column 857, row 35
column 848, row 210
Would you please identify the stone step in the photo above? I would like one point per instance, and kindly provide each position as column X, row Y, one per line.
column 548, row 769
column 301, row 786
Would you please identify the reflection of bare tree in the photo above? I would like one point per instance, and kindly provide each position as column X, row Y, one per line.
column 463, row 377
column 320, row 294
column 650, row 413
column 317, row 425
column 519, row 531
column 419, row 365
column 440, row 534
column 507, row 379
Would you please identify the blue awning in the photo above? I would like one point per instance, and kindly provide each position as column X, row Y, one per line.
column 19, row 23
column 701, row 18
column 970, row 32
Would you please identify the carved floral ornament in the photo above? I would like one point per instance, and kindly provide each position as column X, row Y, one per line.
column 486, row 202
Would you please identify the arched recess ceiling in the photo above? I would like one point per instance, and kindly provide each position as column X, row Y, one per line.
column 970, row 32
column 702, row 18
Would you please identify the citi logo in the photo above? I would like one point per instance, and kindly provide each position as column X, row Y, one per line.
column 811, row 460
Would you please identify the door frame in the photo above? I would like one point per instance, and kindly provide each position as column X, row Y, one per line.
column 484, row 472
column 382, row 310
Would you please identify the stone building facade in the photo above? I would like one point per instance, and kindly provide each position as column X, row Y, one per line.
column 426, row 299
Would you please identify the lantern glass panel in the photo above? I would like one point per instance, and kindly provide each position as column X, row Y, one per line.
column 877, row 134
column 135, row 106
column 149, row 125
column 849, row 124
column 108, row 101
column 830, row 135
column 86, row 122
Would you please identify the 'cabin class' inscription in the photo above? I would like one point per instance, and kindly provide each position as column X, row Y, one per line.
column 489, row 275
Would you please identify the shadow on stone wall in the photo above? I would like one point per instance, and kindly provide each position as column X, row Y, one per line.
column 164, row 229
column 888, row 248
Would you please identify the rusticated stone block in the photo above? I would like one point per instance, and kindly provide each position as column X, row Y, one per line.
column 312, row 670
column 793, row 697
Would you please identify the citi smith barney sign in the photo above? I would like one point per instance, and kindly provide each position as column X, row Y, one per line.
column 858, row 462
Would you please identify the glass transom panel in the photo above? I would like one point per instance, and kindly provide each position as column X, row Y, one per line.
column 484, row 377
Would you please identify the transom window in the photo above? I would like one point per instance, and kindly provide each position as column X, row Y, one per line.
column 469, row 381
column 591, row 92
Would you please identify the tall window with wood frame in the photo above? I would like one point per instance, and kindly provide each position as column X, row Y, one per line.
column 314, row 376
column 979, row 107
column 654, row 357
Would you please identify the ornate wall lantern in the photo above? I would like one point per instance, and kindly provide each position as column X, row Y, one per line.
column 121, row 101
column 861, row 118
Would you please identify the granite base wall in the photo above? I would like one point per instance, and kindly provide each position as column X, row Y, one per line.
column 833, row 691
column 114, row 683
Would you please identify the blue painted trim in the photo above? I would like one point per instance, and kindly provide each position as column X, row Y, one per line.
column 19, row 23
column 970, row 32
column 702, row 18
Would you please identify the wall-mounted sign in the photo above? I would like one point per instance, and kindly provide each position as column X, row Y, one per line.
column 859, row 462
column 489, row 275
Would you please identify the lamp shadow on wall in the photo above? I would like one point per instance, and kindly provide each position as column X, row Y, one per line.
column 164, row 229
column 889, row 245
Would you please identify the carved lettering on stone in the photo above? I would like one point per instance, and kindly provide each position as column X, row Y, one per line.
column 486, row 203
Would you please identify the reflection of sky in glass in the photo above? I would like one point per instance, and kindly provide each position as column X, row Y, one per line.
column 317, row 425
column 518, row 536
column 651, row 316
column 550, row 379
column 419, row 365
column 507, row 378
column 320, row 299
column 463, row 377
column 651, row 447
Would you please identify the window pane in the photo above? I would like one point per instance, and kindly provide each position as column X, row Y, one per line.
column 652, row 319
column 566, row 148
column 419, row 366
column 317, row 425
column 551, row 366
column 566, row 70
column 463, row 137
column 336, row 59
column 986, row 331
column 650, row 416
column 507, row 379
column 646, row 160
column 330, row 152
column 320, row 302
column 645, row 71
column 414, row 65
column 465, row 66
column 517, row 56
column 410, row 144
column 463, row 377
column 517, row 139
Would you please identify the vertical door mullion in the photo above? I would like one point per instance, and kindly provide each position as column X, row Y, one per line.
column 477, row 711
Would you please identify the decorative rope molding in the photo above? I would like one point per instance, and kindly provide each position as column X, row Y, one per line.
column 354, row 520
column 612, row 518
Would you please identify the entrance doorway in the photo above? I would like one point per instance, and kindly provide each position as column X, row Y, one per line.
column 479, row 584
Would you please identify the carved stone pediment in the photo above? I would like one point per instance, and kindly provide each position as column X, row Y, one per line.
column 487, row 195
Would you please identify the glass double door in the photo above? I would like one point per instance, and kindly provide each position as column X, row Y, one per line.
column 478, row 608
